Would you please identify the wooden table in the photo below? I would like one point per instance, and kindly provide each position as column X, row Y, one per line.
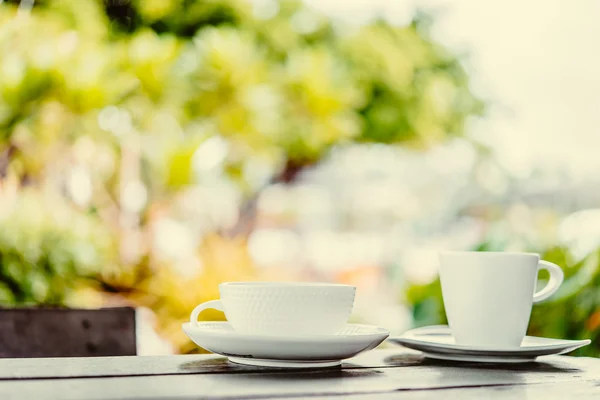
column 380, row 374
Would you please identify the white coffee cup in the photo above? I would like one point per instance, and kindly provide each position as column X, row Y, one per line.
column 282, row 308
column 488, row 296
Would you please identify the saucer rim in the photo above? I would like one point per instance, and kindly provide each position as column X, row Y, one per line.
column 483, row 358
column 277, row 348
column 377, row 332
column 436, row 348
column 412, row 337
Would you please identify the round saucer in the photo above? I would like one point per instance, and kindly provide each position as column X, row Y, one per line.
column 437, row 342
column 285, row 351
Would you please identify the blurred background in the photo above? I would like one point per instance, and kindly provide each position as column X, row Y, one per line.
column 151, row 149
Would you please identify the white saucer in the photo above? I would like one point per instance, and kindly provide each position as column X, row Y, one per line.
column 285, row 351
column 437, row 342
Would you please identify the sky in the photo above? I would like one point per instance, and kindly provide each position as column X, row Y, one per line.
column 538, row 65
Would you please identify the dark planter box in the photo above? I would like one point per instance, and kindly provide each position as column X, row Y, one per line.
column 62, row 332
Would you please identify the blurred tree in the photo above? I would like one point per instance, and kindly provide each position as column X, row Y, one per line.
column 112, row 111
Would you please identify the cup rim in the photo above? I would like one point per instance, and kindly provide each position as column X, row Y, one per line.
column 286, row 284
column 486, row 253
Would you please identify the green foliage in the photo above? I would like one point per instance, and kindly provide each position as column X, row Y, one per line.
column 101, row 98
column 427, row 304
column 93, row 91
column 45, row 246
column 276, row 89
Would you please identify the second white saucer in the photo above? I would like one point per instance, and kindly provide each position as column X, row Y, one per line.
column 285, row 351
column 437, row 342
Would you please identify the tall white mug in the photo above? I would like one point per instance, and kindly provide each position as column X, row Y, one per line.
column 488, row 296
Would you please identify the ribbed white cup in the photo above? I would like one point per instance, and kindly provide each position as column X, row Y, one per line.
column 282, row 308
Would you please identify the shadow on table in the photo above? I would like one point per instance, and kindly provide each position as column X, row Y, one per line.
column 221, row 365
column 536, row 366
column 211, row 365
column 314, row 374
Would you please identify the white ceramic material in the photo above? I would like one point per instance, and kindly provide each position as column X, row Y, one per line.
column 438, row 342
column 488, row 295
column 285, row 351
column 280, row 309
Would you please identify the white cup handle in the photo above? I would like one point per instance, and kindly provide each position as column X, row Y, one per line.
column 556, row 279
column 215, row 304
